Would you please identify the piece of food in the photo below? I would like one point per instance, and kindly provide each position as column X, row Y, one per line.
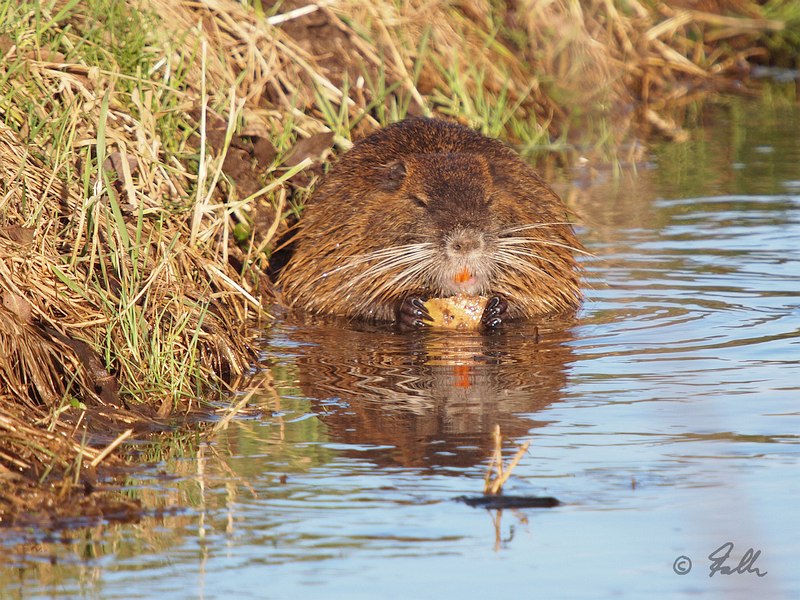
column 457, row 312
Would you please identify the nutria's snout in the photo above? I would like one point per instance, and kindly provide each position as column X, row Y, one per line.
column 464, row 244
column 427, row 208
column 467, row 263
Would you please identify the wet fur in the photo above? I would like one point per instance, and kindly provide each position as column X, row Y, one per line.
column 396, row 214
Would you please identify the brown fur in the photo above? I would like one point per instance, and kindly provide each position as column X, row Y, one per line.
column 414, row 204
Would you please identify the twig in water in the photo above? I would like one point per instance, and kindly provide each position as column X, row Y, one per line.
column 497, row 475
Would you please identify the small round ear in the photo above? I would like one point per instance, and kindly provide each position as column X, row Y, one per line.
column 392, row 175
column 499, row 174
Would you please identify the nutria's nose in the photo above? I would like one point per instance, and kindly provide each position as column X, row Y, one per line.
column 465, row 242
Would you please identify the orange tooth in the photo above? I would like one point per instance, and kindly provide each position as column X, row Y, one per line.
column 463, row 275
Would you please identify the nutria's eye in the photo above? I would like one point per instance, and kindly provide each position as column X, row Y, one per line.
column 420, row 201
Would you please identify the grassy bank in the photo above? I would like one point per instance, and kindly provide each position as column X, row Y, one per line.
column 152, row 151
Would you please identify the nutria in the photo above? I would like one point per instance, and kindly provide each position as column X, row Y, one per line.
column 427, row 208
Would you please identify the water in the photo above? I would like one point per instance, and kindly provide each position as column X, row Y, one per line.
column 665, row 417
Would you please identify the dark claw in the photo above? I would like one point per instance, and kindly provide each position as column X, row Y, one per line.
column 413, row 314
column 492, row 323
column 492, row 316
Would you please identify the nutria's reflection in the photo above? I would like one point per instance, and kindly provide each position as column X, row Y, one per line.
column 432, row 398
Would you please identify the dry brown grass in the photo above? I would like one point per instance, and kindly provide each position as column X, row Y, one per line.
column 596, row 72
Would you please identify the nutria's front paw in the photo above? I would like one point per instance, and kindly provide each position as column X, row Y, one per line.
column 413, row 314
column 492, row 315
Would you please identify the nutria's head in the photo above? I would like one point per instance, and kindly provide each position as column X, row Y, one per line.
column 427, row 208
column 444, row 234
